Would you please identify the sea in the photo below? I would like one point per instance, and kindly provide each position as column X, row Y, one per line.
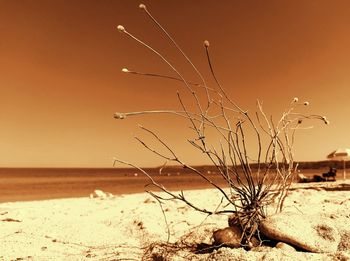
column 26, row 184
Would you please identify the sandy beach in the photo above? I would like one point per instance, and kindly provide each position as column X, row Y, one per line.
column 122, row 227
column 233, row 108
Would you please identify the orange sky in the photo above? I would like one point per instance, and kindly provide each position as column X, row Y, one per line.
column 60, row 79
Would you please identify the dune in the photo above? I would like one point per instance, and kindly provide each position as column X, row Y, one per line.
column 132, row 227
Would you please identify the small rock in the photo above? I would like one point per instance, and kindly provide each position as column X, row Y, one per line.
column 310, row 233
column 100, row 194
column 285, row 247
column 229, row 236
column 233, row 221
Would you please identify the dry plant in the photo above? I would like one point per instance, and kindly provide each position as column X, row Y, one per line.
column 255, row 178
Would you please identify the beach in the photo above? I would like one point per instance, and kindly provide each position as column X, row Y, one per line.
column 174, row 130
column 124, row 226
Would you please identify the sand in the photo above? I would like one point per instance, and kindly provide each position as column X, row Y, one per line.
column 122, row 227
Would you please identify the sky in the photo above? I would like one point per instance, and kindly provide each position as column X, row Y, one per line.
column 61, row 79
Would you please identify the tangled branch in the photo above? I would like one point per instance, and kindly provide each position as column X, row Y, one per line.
column 256, row 178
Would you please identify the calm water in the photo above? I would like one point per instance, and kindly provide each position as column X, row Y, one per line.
column 34, row 184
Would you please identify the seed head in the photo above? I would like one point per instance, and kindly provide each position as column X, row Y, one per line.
column 119, row 116
column 121, row 28
column 325, row 120
column 125, row 70
column 306, row 103
column 206, row 43
column 142, row 7
column 295, row 99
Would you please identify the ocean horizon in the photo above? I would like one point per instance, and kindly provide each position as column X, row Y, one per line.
column 23, row 184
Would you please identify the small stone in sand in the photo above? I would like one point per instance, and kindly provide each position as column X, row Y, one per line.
column 100, row 194
column 229, row 236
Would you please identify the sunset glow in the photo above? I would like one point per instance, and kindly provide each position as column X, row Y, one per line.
column 63, row 64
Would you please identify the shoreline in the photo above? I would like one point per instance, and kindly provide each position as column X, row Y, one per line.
column 28, row 184
column 140, row 190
